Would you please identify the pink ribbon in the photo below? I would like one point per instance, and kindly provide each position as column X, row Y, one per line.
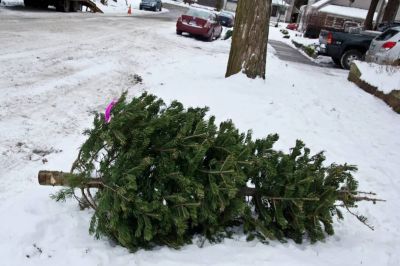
column 107, row 114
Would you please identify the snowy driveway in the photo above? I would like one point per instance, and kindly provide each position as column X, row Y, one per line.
column 56, row 69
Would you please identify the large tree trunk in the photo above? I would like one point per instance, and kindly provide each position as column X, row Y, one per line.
column 391, row 11
column 370, row 16
column 250, row 36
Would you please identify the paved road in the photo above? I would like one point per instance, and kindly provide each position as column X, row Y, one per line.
column 173, row 14
column 287, row 53
column 21, row 12
column 284, row 51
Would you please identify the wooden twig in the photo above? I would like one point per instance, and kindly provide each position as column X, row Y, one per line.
column 360, row 218
column 91, row 198
column 363, row 198
column 217, row 172
column 86, row 200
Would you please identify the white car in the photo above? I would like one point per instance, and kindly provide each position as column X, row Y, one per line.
column 385, row 49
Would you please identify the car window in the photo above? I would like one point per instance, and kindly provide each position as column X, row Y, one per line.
column 226, row 14
column 387, row 35
column 198, row 13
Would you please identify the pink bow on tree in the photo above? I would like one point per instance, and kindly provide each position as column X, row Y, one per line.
column 107, row 114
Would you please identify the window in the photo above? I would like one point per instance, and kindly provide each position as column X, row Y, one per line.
column 387, row 35
column 198, row 13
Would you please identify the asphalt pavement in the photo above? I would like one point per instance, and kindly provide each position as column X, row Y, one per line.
column 283, row 51
column 287, row 53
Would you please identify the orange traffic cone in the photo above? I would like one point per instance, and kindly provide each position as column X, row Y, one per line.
column 129, row 10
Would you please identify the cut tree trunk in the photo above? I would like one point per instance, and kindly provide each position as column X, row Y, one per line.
column 57, row 178
column 250, row 37
column 391, row 10
column 370, row 16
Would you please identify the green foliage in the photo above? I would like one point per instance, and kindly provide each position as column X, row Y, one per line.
column 297, row 44
column 170, row 173
column 284, row 32
column 63, row 194
column 228, row 34
column 310, row 50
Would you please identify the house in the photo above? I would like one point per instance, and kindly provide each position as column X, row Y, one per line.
column 279, row 7
column 210, row 3
column 335, row 15
column 332, row 14
column 293, row 9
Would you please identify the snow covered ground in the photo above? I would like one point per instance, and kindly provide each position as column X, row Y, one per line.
column 296, row 36
column 56, row 72
column 384, row 77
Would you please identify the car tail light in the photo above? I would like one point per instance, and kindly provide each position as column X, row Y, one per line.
column 388, row 45
column 329, row 38
column 207, row 25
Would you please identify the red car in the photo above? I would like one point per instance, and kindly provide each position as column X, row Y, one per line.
column 199, row 22
column 292, row 26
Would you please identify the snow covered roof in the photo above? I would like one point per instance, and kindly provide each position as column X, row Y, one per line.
column 345, row 11
column 279, row 2
column 320, row 3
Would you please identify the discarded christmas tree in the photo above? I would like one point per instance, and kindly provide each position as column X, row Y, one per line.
column 165, row 174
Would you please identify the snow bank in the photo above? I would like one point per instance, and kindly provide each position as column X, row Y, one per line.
column 275, row 34
column 386, row 78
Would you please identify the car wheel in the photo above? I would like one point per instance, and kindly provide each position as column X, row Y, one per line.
column 44, row 5
column 28, row 3
column 63, row 6
column 211, row 38
column 336, row 61
column 75, row 6
column 178, row 32
column 348, row 57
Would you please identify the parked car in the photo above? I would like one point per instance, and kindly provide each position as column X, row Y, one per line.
column 226, row 19
column 292, row 26
column 344, row 47
column 385, row 49
column 199, row 22
column 155, row 5
column 385, row 25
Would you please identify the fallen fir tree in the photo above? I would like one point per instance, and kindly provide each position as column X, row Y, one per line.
column 164, row 174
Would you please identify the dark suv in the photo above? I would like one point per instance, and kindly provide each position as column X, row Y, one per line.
column 155, row 5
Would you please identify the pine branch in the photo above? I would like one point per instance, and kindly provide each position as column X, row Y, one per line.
column 361, row 218
column 217, row 172
column 195, row 136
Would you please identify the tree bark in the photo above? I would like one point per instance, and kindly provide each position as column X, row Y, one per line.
column 391, row 10
column 57, row 178
column 250, row 37
column 370, row 16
